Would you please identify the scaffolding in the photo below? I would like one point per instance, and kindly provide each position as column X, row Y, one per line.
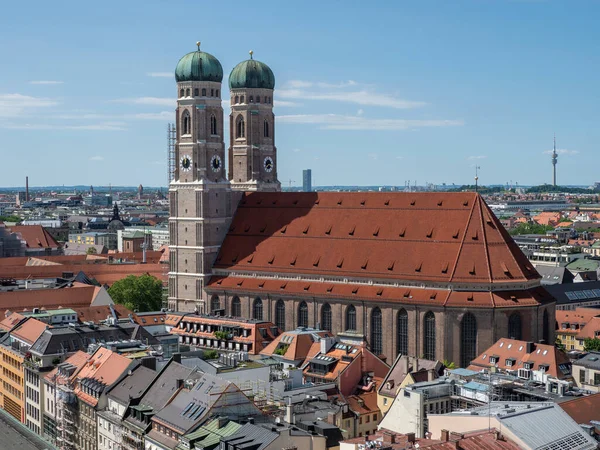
column 66, row 408
column 171, row 163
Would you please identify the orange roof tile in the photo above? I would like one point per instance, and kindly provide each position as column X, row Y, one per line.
column 30, row 330
column 363, row 403
column 442, row 237
column 98, row 313
column 583, row 410
column 541, row 354
column 77, row 359
column 10, row 321
column 28, row 299
column 591, row 329
column 35, row 236
column 301, row 345
column 103, row 366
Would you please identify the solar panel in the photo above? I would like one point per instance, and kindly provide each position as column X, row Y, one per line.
column 199, row 413
column 187, row 408
column 191, row 413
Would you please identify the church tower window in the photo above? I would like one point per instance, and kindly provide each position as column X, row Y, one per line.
column 237, row 99
column 257, row 309
column 258, row 99
column 468, row 339
column 203, row 92
column 402, row 332
column 181, row 93
column 236, row 307
column 266, row 128
column 217, row 92
column 280, row 315
column 429, row 336
column 240, row 129
column 187, row 92
column 376, row 332
column 350, row 318
column 213, row 125
column 326, row 317
column 514, row 326
column 185, row 121
column 251, row 99
column 242, row 99
column 196, row 92
column 303, row 315
column 212, row 92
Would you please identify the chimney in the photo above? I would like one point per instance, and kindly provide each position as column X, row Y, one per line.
column 404, row 362
column 177, row 358
column 530, row 347
column 497, row 435
column 179, row 383
column 26, row 189
column 430, row 375
column 445, row 436
column 389, row 438
column 410, row 438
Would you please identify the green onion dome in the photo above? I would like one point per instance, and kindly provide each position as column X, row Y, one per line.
column 251, row 74
column 199, row 66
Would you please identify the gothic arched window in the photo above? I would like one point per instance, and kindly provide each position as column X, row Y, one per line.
column 514, row 326
column 185, row 120
column 242, row 99
column 212, row 92
column 203, row 92
column 213, row 125
column 266, row 128
column 187, row 92
column 236, row 307
column 376, row 332
column 402, row 332
column 257, row 309
column 258, row 99
column 217, row 92
column 350, row 318
column 181, row 93
column 545, row 328
column 468, row 339
column 215, row 303
column 251, row 99
column 280, row 315
column 326, row 317
column 303, row 315
column 237, row 99
column 429, row 336
column 240, row 127
column 196, row 92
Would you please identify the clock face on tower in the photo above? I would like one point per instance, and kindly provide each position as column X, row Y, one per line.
column 215, row 163
column 269, row 164
column 185, row 163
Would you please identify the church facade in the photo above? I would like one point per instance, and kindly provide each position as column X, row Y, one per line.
column 433, row 275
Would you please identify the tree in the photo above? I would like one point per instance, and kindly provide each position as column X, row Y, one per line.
column 559, row 345
column 591, row 344
column 91, row 251
column 143, row 293
column 530, row 228
column 449, row 364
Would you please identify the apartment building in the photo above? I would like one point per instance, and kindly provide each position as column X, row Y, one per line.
column 586, row 372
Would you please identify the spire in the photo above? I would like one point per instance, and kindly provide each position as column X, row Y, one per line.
column 554, row 160
column 198, row 45
column 115, row 213
column 251, row 53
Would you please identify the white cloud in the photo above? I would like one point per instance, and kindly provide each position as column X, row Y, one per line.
column 103, row 126
column 297, row 150
column 372, row 155
column 155, row 101
column 399, row 157
column 341, row 122
column 14, row 105
column 298, row 84
column 363, row 97
column 163, row 115
column 471, row 158
column 96, row 158
column 301, row 84
column 285, row 103
column 360, row 112
column 161, row 74
column 46, row 82
column 563, row 151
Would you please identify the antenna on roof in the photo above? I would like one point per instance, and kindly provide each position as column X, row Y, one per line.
column 477, row 178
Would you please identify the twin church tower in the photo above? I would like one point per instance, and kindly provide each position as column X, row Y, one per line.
column 203, row 196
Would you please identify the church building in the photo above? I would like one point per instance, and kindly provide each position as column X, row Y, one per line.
column 433, row 275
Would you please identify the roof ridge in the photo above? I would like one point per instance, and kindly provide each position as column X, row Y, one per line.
column 484, row 236
column 462, row 242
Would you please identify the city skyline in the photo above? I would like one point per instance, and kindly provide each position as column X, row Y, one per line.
column 417, row 93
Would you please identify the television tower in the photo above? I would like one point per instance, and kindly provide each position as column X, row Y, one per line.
column 554, row 158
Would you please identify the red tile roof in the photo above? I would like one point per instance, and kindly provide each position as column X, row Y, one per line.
column 540, row 355
column 583, row 410
column 11, row 320
column 299, row 345
column 27, row 299
column 104, row 366
column 30, row 330
column 78, row 359
column 97, row 313
column 436, row 237
column 35, row 236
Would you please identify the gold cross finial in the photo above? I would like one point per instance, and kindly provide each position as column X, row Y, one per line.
column 198, row 45
column 251, row 53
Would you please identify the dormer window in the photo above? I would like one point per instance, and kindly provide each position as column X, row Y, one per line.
column 510, row 362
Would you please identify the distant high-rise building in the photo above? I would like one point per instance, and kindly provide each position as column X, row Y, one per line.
column 307, row 180
column 554, row 158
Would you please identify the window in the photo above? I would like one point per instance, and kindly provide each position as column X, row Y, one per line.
column 429, row 336
column 181, row 93
column 582, row 376
column 236, row 307
column 215, row 303
column 185, row 120
column 203, row 92
column 266, row 129
column 596, row 379
column 402, row 332
column 376, row 332
column 258, row 99
column 237, row 99
column 351, row 318
column 326, row 317
column 240, row 129
column 280, row 315
column 217, row 92
column 514, row 326
column 468, row 339
column 196, row 92
column 212, row 92
column 303, row 315
column 546, row 328
column 257, row 309
column 187, row 92
column 242, row 99
column 213, row 125
column 251, row 99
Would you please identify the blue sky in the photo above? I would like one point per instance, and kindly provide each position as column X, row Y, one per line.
column 367, row 93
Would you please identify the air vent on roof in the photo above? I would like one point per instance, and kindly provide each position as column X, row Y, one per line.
column 259, row 201
column 264, row 227
column 391, row 265
column 247, row 228
column 270, row 261
column 362, row 202
column 413, row 202
column 364, row 265
column 295, row 202
column 328, row 231
column 466, row 203
column 430, row 233
column 387, row 202
column 240, row 282
column 433, row 296
column 472, row 271
column 355, row 290
column 307, row 287
column 380, row 292
column 407, row 294
column 249, row 261
column 513, row 298
column 340, row 263
column 283, row 230
column 231, row 228
column 283, row 285
column 219, row 282
column 445, row 268
column 470, row 298
column 504, row 268
column 376, row 232
column 274, row 202
column 330, row 288
column 351, row 232
column 339, row 201
column 419, row 266
column 293, row 261
column 305, row 231
column 440, row 202
column 316, row 261
column 402, row 232
column 316, row 201
column 234, row 259
column 456, row 234
column 261, row 284
column 476, row 236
